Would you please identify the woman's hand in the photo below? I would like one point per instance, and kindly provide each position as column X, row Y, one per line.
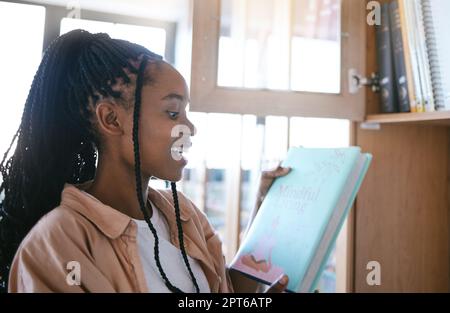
column 267, row 178
column 243, row 284
column 279, row 286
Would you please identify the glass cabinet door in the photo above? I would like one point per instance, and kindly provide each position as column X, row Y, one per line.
column 280, row 45
column 278, row 57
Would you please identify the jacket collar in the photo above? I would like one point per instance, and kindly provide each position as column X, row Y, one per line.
column 112, row 223
column 108, row 220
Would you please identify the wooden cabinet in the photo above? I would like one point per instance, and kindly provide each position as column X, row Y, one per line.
column 401, row 212
column 401, row 215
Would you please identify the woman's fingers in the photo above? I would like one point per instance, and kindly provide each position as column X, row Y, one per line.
column 267, row 178
column 279, row 171
column 279, row 286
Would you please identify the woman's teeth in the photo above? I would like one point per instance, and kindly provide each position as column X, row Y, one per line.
column 177, row 153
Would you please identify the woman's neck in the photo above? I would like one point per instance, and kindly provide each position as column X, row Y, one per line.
column 115, row 185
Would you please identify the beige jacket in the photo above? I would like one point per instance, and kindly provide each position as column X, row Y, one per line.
column 103, row 242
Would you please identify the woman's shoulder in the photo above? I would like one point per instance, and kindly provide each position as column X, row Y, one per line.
column 61, row 238
column 59, row 226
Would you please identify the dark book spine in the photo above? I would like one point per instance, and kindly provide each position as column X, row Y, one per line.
column 385, row 63
column 399, row 57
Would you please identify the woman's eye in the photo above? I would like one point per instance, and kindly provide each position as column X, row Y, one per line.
column 173, row 114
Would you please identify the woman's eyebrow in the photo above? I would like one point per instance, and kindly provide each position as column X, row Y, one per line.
column 174, row 96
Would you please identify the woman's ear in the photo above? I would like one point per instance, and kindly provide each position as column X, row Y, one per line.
column 110, row 118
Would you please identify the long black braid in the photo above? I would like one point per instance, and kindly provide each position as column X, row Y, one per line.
column 57, row 140
column 137, row 170
column 180, row 234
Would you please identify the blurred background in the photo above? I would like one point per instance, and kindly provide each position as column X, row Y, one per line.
column 229, row 150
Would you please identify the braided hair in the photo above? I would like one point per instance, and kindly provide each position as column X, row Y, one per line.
column 57, row 141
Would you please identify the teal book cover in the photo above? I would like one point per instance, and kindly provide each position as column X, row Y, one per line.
column 298, row 212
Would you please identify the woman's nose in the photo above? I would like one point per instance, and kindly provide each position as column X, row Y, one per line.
column 191, row 127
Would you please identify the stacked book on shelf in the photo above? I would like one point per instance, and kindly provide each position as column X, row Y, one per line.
column 413, row 55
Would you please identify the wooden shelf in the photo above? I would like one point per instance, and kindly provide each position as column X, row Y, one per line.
column 433, row 118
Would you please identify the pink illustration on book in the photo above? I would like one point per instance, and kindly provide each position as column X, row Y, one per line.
column 258, row 262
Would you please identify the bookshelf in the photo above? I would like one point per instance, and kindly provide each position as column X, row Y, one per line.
column 401, row 216
column 430, row 118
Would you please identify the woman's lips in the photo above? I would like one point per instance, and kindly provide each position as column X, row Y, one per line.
column 178, row 152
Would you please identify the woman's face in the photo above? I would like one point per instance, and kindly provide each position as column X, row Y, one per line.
column 164, row 129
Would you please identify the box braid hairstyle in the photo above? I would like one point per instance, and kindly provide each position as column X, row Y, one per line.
column 57, row 141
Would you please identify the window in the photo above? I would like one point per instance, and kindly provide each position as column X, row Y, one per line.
column 21, row 34
column 280, row 45
column 153, row 38
column 256, row 143
column 278, row 57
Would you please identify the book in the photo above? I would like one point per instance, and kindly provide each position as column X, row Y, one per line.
column 410, row 55
column 399, row 57
column 385, row 63
column 299, row 219
column 424, row 65
column 419, row 44
column 436, row 26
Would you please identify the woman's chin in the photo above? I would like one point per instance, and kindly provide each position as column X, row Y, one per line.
column 175, row 176
column 174, row 172
column 178, row 171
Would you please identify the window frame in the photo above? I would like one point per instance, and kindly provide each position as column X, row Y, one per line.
column 55, row 13
column 206, row 96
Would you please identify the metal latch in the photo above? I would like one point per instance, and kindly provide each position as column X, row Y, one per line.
column 356, row 81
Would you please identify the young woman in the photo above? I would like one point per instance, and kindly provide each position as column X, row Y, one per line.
column 76, row 212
